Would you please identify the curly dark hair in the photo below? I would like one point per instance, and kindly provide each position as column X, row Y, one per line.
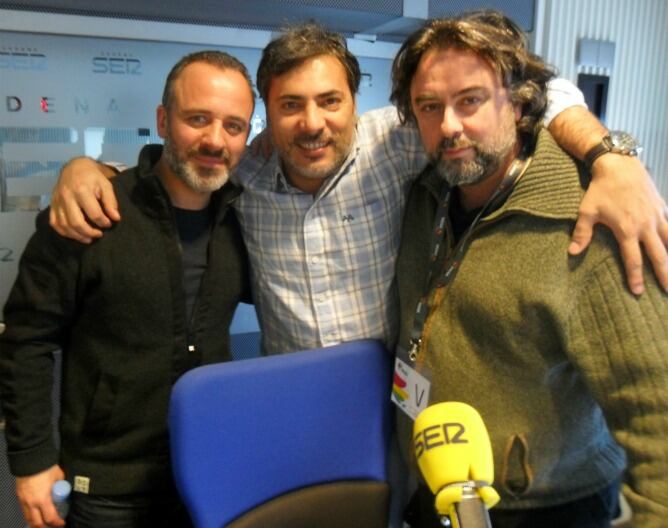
column 219, row 59
column 495, row 38
column 302, row 42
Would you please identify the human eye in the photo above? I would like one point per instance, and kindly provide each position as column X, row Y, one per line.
column 289, row 106
column 197, row 120
column 470, row 103
column 430, row 107
column 471, row 100
column 235, row 127
column 332, row 102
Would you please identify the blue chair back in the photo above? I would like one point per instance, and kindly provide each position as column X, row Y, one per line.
column 244, row 433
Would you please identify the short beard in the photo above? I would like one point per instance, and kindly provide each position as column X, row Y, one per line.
column 341, row 151
column 468, row 172
column 202, row 179
column 486, row 163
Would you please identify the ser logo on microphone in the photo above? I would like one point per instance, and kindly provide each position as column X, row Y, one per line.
column 438, row 435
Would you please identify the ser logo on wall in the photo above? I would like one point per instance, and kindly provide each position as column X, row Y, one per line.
column 117, row 63
column 22, row 58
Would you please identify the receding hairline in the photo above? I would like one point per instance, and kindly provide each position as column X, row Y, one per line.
column 221, row 68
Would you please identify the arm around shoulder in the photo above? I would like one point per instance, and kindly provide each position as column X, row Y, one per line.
column 621, row 195
column 83, row 201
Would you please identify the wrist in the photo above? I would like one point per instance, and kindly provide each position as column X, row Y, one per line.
column 112, row 167
column 615, row 142
column 613, row 162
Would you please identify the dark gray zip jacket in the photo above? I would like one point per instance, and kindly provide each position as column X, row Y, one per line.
column 117, row 310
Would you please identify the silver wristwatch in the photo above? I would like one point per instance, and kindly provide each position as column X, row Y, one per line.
column 615, row 141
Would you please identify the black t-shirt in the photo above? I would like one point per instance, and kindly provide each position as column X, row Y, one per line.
column 194, row 228
column 460, row 218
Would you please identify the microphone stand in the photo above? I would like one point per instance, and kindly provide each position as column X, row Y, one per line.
column 470, row 512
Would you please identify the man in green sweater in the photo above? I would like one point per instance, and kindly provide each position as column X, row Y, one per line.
column 568, row 369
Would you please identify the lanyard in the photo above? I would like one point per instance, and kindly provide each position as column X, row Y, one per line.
column 515, row 172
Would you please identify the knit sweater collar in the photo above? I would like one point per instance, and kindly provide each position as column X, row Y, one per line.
column 550, row 188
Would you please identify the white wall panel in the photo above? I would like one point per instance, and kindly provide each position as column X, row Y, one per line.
column 637, row 100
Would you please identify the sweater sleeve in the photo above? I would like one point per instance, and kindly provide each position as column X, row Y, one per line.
column 621, row 347
column 36, row 316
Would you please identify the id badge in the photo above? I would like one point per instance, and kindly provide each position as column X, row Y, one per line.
column 410, row 388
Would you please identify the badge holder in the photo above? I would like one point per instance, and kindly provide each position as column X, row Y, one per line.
column 411, row 384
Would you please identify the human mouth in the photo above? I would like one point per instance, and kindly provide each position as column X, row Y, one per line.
column 456, row 153
column 452, row 149
column 313, row 148
column 210, row 162
column 211, row 159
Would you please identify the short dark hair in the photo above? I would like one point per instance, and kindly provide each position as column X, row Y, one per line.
column 219, row 59
column 302, row 42
column 495, row 38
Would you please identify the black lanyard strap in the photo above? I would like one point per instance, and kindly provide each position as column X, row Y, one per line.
column 516, row 170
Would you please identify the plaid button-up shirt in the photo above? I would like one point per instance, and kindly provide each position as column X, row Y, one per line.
column 323, row 265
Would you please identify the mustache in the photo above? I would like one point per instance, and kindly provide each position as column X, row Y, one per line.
column 453, row 143
column 222, row 154
column 305, row 138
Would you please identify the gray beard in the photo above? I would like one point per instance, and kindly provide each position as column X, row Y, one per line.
column 468, row 172
column 486, row 163
column 205, row 181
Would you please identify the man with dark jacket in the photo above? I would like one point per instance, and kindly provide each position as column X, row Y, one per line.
column 131, row 313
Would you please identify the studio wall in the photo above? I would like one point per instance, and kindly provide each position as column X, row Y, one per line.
column 637, row 99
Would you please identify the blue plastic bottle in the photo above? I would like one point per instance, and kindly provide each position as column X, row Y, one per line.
column 60, row 493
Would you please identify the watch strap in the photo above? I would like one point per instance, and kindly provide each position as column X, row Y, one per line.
column 603, row 147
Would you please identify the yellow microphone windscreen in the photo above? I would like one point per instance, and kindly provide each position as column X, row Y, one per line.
column 452, row 446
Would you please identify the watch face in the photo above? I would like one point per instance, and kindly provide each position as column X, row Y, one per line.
column 624, row 142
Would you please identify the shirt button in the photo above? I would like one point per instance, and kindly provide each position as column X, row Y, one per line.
column 315, row 260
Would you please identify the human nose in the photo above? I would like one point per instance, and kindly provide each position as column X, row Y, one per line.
column 214, row 136
column 451, row 125
column 312, row 119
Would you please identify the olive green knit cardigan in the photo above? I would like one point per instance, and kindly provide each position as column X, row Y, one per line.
column 547, row 347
